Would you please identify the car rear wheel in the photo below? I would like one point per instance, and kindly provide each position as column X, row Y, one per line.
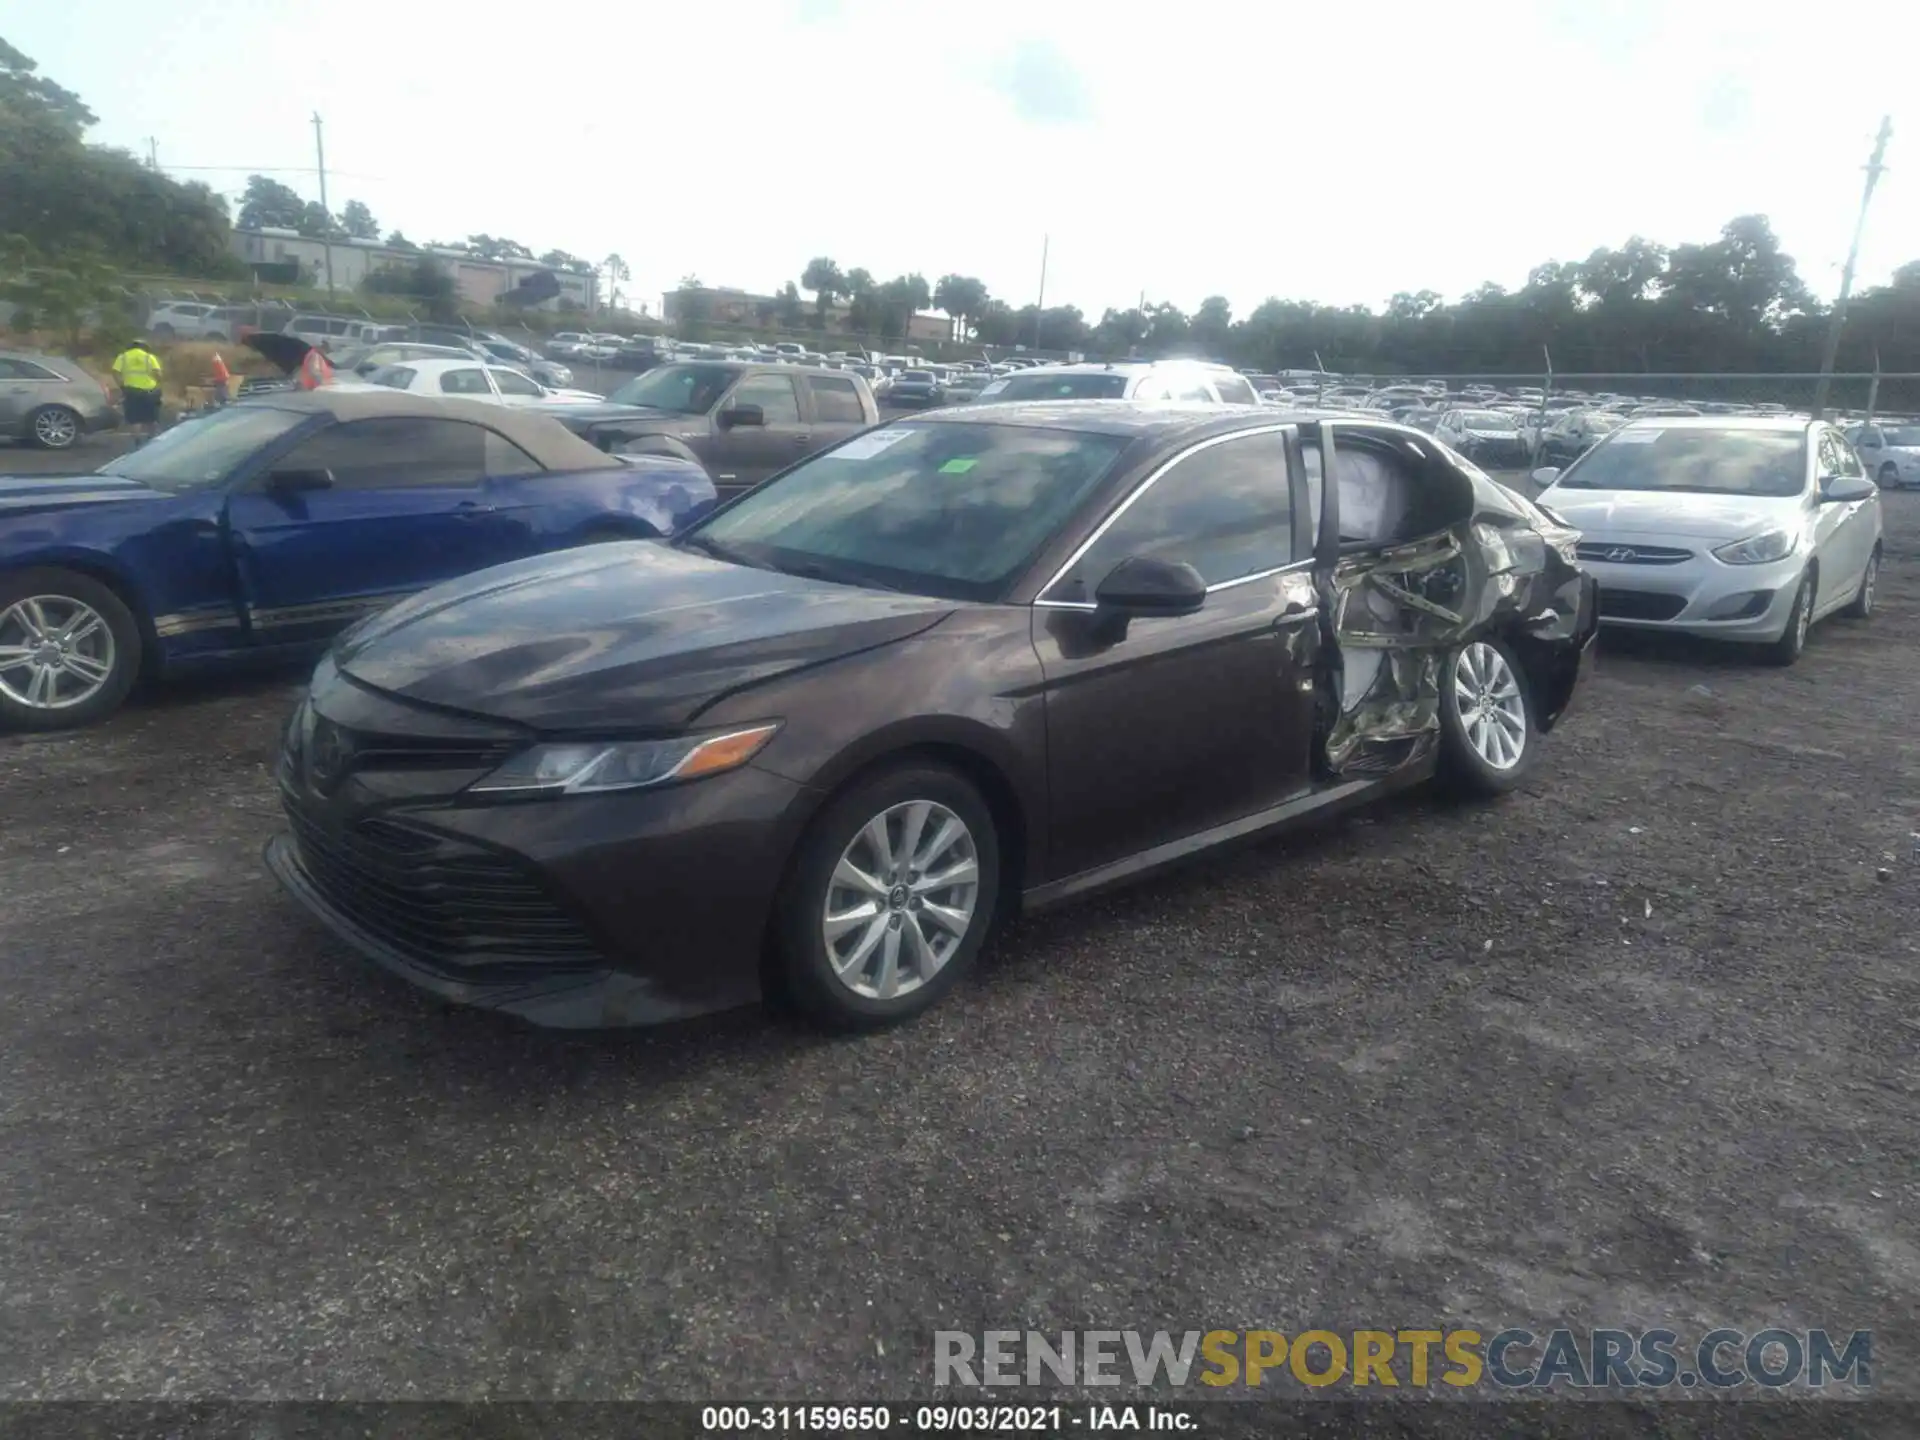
column 1889, row 476
column 1861, row 606
column 1792, row 643
column 891, row 898
column 54, row 427
column 69, row 650
column 1487, row 731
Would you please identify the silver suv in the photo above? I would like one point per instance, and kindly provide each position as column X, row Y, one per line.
column 1193, row 381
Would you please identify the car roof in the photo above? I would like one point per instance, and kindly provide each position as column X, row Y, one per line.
column 1719, row 422
column 1117, row 417
column 541, row 436
column 1121, row 367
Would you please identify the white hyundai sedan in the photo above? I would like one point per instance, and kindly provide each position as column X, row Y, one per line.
column 1746, row 529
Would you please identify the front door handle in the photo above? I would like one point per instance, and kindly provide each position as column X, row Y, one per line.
column 470, row 509
column 1292, row 613
column 802, row 440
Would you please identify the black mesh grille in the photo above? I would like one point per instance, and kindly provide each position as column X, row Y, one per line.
column 446, row 904
column 1639, row 604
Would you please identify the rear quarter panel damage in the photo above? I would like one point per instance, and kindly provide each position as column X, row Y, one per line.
column 1399, row 612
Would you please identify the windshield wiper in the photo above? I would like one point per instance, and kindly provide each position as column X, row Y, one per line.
column 720, row 550
column 834, row 574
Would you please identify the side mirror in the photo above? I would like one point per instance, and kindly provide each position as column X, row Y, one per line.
column 742, row 415
column 1546, row 475
column 1846, row 489
column 298, row 481
column 1143, row 585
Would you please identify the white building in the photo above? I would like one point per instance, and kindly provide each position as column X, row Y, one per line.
column 478, row 282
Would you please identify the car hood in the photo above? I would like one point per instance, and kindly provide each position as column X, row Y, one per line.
column 603, row 411
column 616, row 637
column 36, row 494
column 1602, row 514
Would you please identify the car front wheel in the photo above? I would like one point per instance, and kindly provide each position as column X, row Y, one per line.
column 69, row 650
column 891, row 899
column 1861, row 606
column 1487, row 730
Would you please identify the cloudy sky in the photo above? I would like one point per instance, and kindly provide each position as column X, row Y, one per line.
column 1333, row 151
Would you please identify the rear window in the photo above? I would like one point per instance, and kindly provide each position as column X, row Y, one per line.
column 835, row 401
column 1714, row 462
column 1097, row 386
column 1235, row 390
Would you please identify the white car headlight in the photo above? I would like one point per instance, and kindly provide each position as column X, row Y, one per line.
column 1758, row 549
column 589, row 767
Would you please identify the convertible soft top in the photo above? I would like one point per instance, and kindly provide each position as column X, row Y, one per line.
column 545, row 439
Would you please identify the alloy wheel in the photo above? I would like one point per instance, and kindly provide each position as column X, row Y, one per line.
column 1493, row 712
column 1803, row 617
column 1867, row 582
column 55, row 652
column 901, row 900
column 56, row 428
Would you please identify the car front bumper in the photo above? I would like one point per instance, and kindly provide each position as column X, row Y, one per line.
column 634, row 908
column 1701, row 595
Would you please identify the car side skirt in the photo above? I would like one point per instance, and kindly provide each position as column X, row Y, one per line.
column 1315, row 804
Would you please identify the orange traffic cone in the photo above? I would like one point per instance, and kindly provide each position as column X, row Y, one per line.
column 222, row 379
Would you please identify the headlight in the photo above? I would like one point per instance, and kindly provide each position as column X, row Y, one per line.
column 1758, row 549
column 589, row 767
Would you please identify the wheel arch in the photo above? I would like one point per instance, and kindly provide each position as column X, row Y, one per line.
column 104, row 571
column 959, row 747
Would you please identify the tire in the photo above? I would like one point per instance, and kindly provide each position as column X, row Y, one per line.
column 1486, row 711
column 1889, row 476
column 1861, row 606
column 899, row 930
column 1792, row 643
column 163, row 329
column 54, row 427
column 63, row 600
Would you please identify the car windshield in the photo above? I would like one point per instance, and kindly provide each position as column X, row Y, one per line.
column 1488, row 420
column 917, row 377
column 1718, row 462
column 1101, row 386
column 1901, row 435
column 197, row 453
column 689, row 389
column 954, row 510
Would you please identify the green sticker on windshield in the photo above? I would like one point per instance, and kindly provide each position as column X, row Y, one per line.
column 958, row 467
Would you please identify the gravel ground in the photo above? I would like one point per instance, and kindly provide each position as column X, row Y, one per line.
column 1635, row 1046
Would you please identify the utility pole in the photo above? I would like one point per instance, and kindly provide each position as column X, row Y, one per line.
column 1873, row 387
column 153, row 154
column 1040, row 305
column 1875, row 169
column 326, row 230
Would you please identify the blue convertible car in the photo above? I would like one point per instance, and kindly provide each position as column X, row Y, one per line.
column 265, row 527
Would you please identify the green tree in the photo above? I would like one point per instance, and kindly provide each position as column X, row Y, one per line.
column 692, row 308
column 822, row 276
column 901, row 298
column 1212, row 326
column 617, row 273
column 357, row 220
column 397, row 241
column 269, row 204
column 37, row 100
column 788, row 310
column 489, row 247
column 561, row 260
column 62, row 292
column 961, row 296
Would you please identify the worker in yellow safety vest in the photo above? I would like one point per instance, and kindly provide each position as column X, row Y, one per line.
column 138, row 370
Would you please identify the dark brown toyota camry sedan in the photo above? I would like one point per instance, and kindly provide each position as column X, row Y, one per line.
column 993, row 657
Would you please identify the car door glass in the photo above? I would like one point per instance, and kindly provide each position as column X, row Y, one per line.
column 775, row 396
column 1846, row 462
column 835, row 401
column 504, row 459
column 1225, row 509
column 394, row 452
column 512, row 382
column 464, row 382
column 1235, row 390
